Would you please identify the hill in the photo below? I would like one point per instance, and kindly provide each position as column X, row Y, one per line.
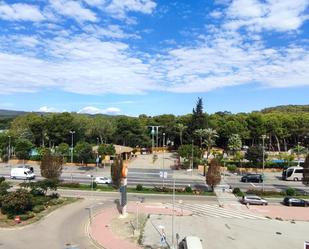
column 287, row 108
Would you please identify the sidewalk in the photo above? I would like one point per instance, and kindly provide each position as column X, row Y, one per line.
column 101, row 230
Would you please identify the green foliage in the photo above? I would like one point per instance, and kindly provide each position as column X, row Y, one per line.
column 185, row 151
column 38, row 208
column 23, row 148
column 213, row 176
column 290, row 191
column 237, row 191
column 2, row 179
column 63, row 149
column 188, row 189
column 198, row 118
column 69, row 184
column 139, row 187
column 4, row 187
column 17, row 202
column 255, row 154
column 106, row 149
column 83, row 151
column 93, row 185
column 234, row 143
column 51, row 165
column 26, row 216
column 231, row 167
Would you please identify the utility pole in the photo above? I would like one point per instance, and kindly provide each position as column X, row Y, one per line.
column 9, row 148
column 154, row 129
column 263, row 139
column 72, row 145
column 298, row 159
column 192, row 158
column 173, row 217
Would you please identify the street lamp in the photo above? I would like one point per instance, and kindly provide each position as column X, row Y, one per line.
column 72, row 145
column 298, row 159
column 163, row 157
column 9, row 147
column 263, row 139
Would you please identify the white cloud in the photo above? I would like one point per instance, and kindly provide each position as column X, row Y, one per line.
column 119, row 8
column 256, row 15
column 111, row 31
column 94, row 110
column 20, row 12
column 47, row 109
column 73, row 9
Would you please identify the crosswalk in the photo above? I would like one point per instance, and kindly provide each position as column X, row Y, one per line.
column 206, row 210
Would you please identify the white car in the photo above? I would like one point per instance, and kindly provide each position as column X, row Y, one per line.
column 102, row 180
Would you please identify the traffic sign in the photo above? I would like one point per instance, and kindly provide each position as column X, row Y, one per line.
column 163, row 174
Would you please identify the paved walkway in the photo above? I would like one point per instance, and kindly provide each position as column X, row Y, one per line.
column 101, row 231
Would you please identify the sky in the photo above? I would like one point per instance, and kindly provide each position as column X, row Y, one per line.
column 153, row 57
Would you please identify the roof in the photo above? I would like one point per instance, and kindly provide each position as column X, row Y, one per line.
column 119, row 149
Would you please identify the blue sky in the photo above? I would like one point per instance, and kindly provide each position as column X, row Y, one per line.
column 153, row 57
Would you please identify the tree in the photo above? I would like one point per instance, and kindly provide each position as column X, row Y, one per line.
column 23, row 148
column 234, row 143
column 100, row 127
column 255, row 154
column 213, row 176
column 116, row 170
column 17, row 202
column 4, row 186
column 209, row 141
column 106, row 149
column 306, row 171
column 199, row 119
column 200, row 133
column 185, row 151
column 83, row 151
column 63, row 149
column 181, row 129
column 51, row 165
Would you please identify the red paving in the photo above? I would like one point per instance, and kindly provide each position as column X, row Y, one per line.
column 101, row 232
column 283, row 212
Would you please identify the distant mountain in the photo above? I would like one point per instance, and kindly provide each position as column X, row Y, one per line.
column 10, row 113
column 287, row 108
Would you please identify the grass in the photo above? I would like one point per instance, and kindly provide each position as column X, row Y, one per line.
column 7, row 223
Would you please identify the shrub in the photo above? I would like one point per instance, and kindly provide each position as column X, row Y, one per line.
column 232, row 167
column 69, row 184
column 290, row 191
column 139, row 187
column 38, row 209
column 17, row 202
column 2, row 179
column 188, row 189
column 262, row 193
column 55, row 201
column 26, row 216
column 54, row 195
column 39, row 200
column 237, row 191
column 93, row 185
column 4, row 186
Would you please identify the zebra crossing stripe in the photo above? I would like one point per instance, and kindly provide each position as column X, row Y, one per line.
column 229, row 211
column 215, row 211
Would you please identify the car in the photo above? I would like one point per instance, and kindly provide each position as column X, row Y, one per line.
column 292, row 201
column 190, row 242
column 252, row 178
column 254, row 200
column 102, row 180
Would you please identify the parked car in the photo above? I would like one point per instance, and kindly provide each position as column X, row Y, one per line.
column 292, row 201
column 190, row 242
column 253, row 199
column 102, row 180
column 252, row 178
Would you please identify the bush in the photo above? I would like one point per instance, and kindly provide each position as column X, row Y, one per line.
column 35, row 158
column 55, row 201
column 139, row 187
column 40, row 200
column 17, row 202
column 262, row 193
column 237, row 191
column 290, row 191
column 4, row 187
column 2, row 179
column 26, row 216
column 232, row 167
column 69, row 184
column 188, row 189
column 38, row 209
column 93, row 185
column 54, row 196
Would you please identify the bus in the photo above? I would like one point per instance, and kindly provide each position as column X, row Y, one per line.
column 293, row 174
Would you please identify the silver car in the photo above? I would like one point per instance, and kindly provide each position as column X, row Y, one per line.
column 253, row 200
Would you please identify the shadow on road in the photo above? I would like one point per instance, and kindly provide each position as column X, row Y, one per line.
column 117, row 202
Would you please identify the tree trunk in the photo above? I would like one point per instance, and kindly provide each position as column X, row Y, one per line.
column 181, row 138
column 285, row 146
column 278, row 143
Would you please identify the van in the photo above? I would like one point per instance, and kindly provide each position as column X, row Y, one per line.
column 190, row 242
column 22, row 173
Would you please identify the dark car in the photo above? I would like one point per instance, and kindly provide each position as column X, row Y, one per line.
column 252, row 178
column 291, row 201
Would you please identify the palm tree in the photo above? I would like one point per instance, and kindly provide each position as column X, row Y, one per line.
column 234, row 143
column 201, row 134
column 181, row 128
column 210, row 137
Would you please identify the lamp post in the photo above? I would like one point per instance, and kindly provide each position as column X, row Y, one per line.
column 72, row 145
column 263, row 139
column 9, row 147
column 298, row 159
column 163, row 157
column 192, row 158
